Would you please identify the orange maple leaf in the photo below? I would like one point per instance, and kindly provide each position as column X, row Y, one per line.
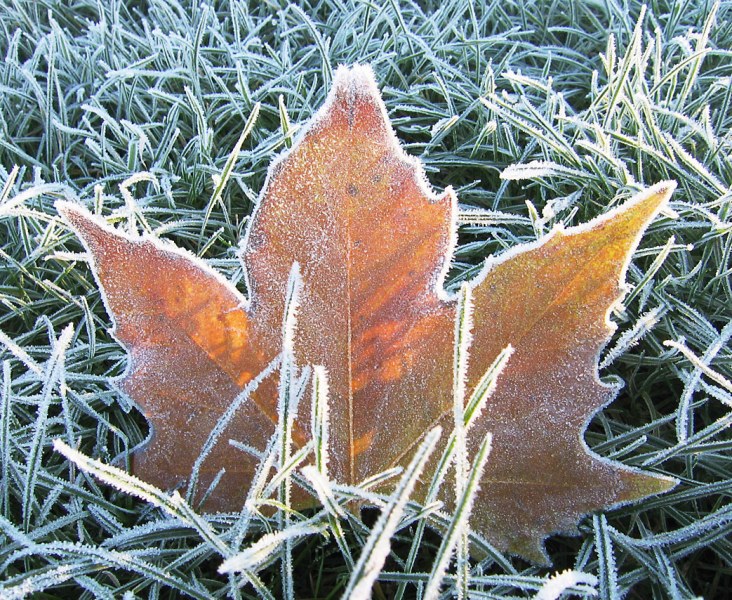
column 374, row 244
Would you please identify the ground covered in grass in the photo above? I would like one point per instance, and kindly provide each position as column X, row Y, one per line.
column 535, row 112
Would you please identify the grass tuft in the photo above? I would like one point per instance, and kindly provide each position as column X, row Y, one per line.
column 165, row 114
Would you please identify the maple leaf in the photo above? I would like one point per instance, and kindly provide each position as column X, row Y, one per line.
column 374, row 244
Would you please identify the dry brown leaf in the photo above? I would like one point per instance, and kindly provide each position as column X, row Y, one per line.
column 374, row 244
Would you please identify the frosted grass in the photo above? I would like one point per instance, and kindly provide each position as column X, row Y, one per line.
column 581, row 104
column 376, row 549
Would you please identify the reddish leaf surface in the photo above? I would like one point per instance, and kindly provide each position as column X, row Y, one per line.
column 374, row 243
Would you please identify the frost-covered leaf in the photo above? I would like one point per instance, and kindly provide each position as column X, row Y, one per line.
column 374, row 243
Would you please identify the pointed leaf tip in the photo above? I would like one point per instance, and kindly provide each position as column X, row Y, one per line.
column 356, row 79
column 69, row 211
column 637, row 485
column 90, row 228
column 644, row 206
